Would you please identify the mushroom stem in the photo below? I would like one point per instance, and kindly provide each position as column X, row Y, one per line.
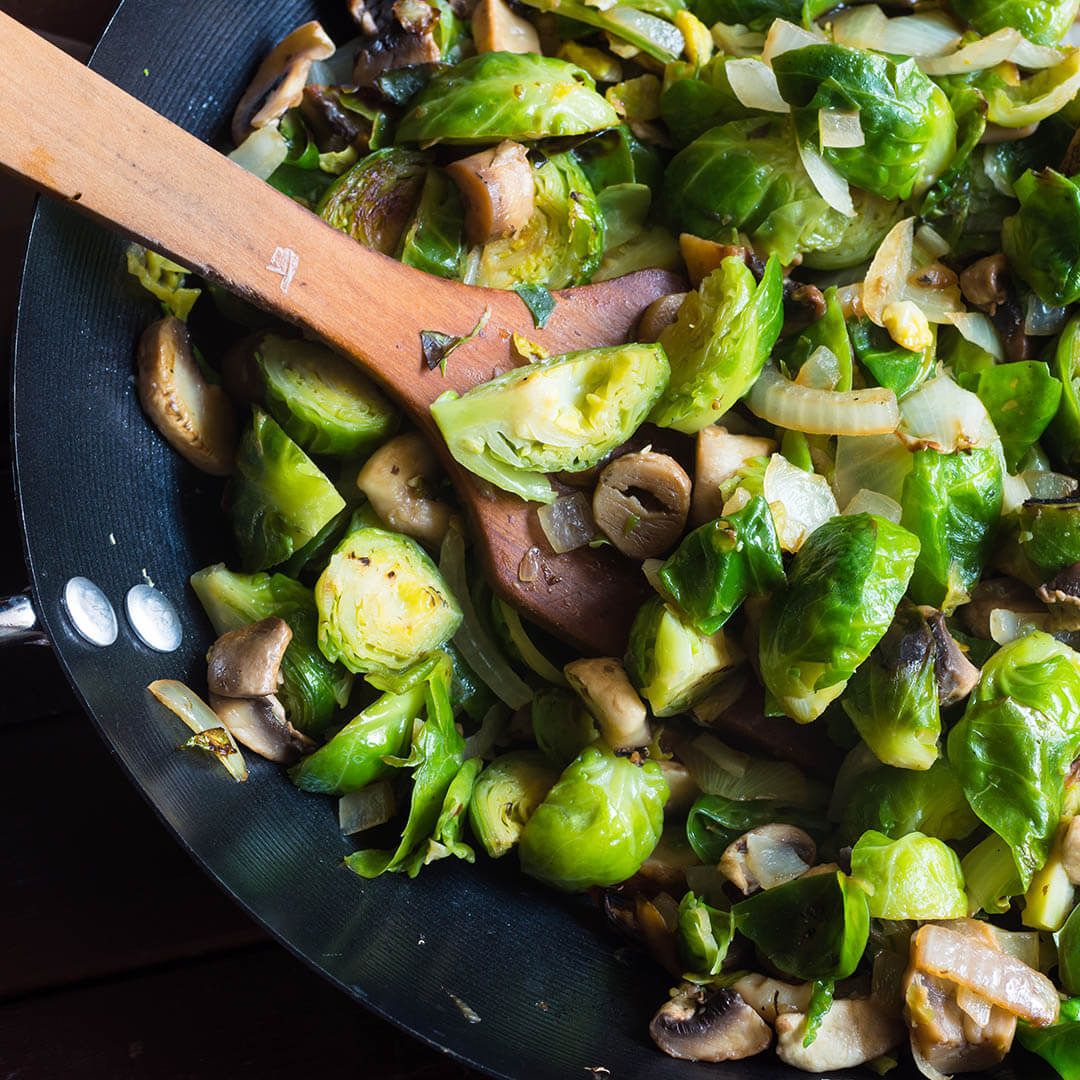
column 497, row 189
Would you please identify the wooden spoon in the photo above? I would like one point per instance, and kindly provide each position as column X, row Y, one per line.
column 76, row 136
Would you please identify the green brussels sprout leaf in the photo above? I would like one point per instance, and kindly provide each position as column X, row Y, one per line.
column 506, row 795
column 434, row 241
column 914, row 877
column 704, row 936
column 714, row 822
column 561, row 724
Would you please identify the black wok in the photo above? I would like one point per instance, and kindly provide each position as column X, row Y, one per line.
column 554, row 993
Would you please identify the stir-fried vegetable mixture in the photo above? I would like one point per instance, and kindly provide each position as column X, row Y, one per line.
column 831, row 786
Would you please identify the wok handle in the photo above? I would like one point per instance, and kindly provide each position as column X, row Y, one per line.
column 19, row 622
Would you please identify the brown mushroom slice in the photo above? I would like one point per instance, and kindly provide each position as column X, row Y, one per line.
column 260, row 725
column 853, row 1032
column 990, row 595
column 698, row 1025
column 362, row 17
column 194, row 417
column 768, row 856
column 985, row 283
column 771, row 998
column 658, row 316
column 495, row 28
column 649, row 922
column 605, row 688
column 956, row 676
column 666, row 867
column 497, row 189
column 395, row 49
column 702, row 256
column 682, row 789
column 641, row 503
column 719, row 456
column 397, row 480
column 1063, row 587
column 246, row 663
column 279, row 83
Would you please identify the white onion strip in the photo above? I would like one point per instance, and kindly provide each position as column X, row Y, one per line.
column 261, row 152
column 840, row 130
column 831, row 186
column 995, row 48
column 784, row 36
column 977, row 328
column 754, row 84
column 888, row 273
column 199, row 717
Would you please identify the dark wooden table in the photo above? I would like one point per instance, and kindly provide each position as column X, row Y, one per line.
column 118, row 958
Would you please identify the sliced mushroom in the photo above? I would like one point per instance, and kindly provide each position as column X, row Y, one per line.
column 194, row 417
column 497, row 189
column 397, row 48
column 990, row 595
column 702, row 257
column 682, row 789
column 768, row 856
column 985, row 283
column 1009, row 320
column 956, row 676
column 771, row 998
column 260, row 724
column 853, row 1032
column 279, row 83
column 666, row 867
column 609, row 695
column 647, row 921
column 362, row 17
column 659, row 315
column 696, row 1025
column 803, row 304
column 246, row 663
column 641, row 503
column 397, row 480
column 495, row 28
column 1063, row 587
column 333, row 126
column 720, row 455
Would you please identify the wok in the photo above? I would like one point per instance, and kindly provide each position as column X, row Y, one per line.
column 101, row 495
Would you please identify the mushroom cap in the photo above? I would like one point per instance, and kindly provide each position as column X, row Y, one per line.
column 194, row 417
column 699, row 1026
column 853, row 1032
column 246, row 663
column 659, row 315
column 956, row 676
column 641, row 503
column 260, row 725
column 495, row 28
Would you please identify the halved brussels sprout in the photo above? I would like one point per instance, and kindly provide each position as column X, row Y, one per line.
column 1043, row 240
column 322, row 400
column 907, row 121
column 747, row 177
column 278, row 497
column 617, row 156
column 1049, row 534
column 506, row 794
column 705, row 934
column 1042, row 21
column 499, row 95
column 565, row 413
column 889, row 364
column 719, row 343
column 563, row 241
column 952, row 503
column 434, row 241
column 759, row 14
column 598, row 824
column 374, row 201
column 915, row 877
column 715, row 821
column 692, row 105
column 1063, row 434
column 382, row 603
column 562, row 726
column 843, row 588
column 672, row 665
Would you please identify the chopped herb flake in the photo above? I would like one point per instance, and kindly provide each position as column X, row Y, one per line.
column 437, row 346
column 539, row 301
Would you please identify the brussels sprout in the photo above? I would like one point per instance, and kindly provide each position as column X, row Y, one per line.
column 719, row 343
column 759, row 14
column 618, row 157
column 1043, row 239
column 915, row 877
column 1037, row 98
column 278, row 497
column 889, row 364
column 1049, row 535
column 446, row 836
column 719, row 564
column 1041, row 21
column 357, row 754
column 507, row 793
column 561, row 244
column 320, row 399
column 598, row 824
column 990, row 876
column 714, row 822
column 1063, row 434
column 829, row 331
column 691, row 106
column 747, row 177
column 434, row 241
column 163, row 279
column 901, row 801
column 643, row 24
column 312, row 687
column 704, row 936
column 652, row 248
column 561, row 724
column 908, row 122
column 843, row 588
column 1016, row 741
column 1069, row 953
column 814, row 927
column 382, row 603
column 952, row 503
column 892, row 699
column 499, row 95
column 375, row 200
column 565, row 413
column 1021, row 398
column 672, row 665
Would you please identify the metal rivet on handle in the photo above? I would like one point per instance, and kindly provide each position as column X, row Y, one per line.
column 90, row 612
column 153, row 618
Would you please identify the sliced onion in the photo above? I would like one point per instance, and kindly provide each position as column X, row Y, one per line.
column 1001, row 979
column 931, row 242
column 784, row 36
column 822, row 412
column 737, row 40
column 567, row 522
column 651, row 569
column 719, row 770
column 1007, row 626
column 860, row 27
column 985, row 53
column 771, row 863
column 261, row 152
column 1072, row 36
column 978, row 1008
column 481, row 743
column 923, row 35
column 866, row 501
column 937, row 302
column 754, row 84
column 831, row 186
column 800, row 501
column 1033, row 57
column 1022, row 945
column 889, row 270
column 365, row 809
column 1015, row 493
column 821, row 370
column 873, row 463
column 1048, row 485
column 529, row 653
column 1040, row 320
column 839, row 129
column 199, row 717
column 977, row 328
column 338, row 70
column 942, row 416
